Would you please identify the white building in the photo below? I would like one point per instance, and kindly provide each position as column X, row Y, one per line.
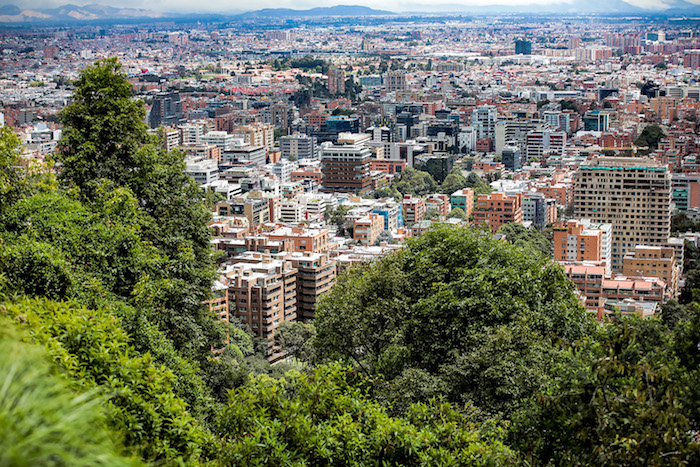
column 204, row 171
column 291, row 211
column 221, row 139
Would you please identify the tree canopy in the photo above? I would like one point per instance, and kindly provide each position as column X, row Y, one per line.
column 450, row 292
column 650, row 136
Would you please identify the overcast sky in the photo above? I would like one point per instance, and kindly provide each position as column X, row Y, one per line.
column 239, row 5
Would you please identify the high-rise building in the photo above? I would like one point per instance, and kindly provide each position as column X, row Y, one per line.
column 511, row 158
column 484, row 120
column 631, row 193
column 523, row 47
column 316, row 275
column 539, row 143
column 336, row 81
column 346, row 168
column 395, row 80
column 166, row 110
column 298, row 145
column 263, row 296
column 691, row 59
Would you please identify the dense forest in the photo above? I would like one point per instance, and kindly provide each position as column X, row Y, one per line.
column 457, row 350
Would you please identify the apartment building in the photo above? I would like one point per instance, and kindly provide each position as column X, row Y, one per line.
column 220, row 139
column 316, row 274
column 283, row 170
column 263, row 296
column 204, row 171
column 391, row 212
column 463, row 199
column 257, row 211
column 256, row 134
column 291, row 211
column 346, row 168
column 539, row 210
column 539, row 143
column 306, row 175
column 632, row 194
column 191, row 133
column 484, row 122
column 583, row 241
column 366, row 229
column 593, row 285
column 303, row 239
column 292, row 189
column 497, row 209
column 413, row 209
column 439, row 203
column 395, row 80
column 654, row 261
column 336, row 81
column 299, row 146
column 218, row 304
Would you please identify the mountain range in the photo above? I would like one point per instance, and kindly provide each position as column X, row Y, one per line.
column 95, row 12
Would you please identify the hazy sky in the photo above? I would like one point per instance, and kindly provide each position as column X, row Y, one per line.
column 239, row 5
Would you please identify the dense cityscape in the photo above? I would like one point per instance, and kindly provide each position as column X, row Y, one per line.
column 337, row 157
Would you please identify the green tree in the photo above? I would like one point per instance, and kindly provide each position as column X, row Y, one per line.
column 618, row 400
column 295, row 338
column 477, row 184
column 103, row 131
column 429, row 305
column 11, row 183
column 650, row 136
column 453, row 182
column 337, row 218
column 326, row 419
column 528, row 238
column 568, row 105
column 43, row 421
column 415, row 182
column 681, row 223
column 106, row 146
column 457, row 213
column 91, row 348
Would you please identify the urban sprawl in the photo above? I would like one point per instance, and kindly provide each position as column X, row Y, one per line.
column 324, row 146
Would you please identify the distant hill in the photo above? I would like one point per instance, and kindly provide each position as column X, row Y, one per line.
column 71, row 13
column 339, row 10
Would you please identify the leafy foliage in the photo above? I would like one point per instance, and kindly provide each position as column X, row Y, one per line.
column 650, row 136
column 618, row 400
column 531, row 240
column 414, row 182
column 103, row 130
column 448, row 293
column 10, row 174
column 43, row 421
column 457, row 213
column 325, row 419
column 91, row 347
